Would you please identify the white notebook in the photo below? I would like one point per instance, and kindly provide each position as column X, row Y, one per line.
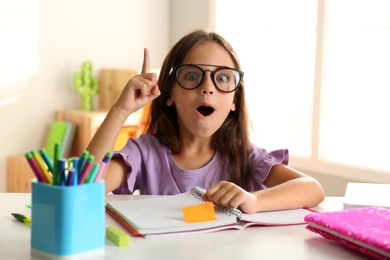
column 366, row 195
column 162, row 216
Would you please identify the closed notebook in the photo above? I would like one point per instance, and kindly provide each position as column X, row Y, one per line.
column 359, row 195
column 162, row 216
column 364, row 229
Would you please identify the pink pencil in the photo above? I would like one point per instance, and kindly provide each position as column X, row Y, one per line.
column 85, row 170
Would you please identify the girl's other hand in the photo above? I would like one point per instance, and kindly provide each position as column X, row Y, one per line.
column 228, row 194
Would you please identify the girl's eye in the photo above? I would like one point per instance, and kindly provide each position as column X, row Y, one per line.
column 192, row 76
column 222, row 78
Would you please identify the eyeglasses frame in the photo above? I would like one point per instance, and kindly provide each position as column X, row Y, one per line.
column 176, row 68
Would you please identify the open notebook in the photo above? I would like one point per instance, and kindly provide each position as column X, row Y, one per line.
column 363, row 229
column 162, row 216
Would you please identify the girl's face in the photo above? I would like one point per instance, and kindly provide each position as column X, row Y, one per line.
column 201, row 111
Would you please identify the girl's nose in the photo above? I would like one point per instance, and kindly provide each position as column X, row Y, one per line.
column 207, row 86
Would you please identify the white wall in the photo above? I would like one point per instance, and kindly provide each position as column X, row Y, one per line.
column 187, row 15
column 110, row 33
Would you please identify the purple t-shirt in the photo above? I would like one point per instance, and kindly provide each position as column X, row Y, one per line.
column 153, row 171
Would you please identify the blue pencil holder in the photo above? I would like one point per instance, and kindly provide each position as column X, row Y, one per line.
column 68, row 221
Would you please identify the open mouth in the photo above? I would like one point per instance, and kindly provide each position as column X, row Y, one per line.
column 205, row 110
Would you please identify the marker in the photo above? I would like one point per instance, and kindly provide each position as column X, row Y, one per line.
column 85, row 170
column 62, row 169
column 82, row 160
column 47, row 159
column 93, row 173
column 71, row 177
column 103, row 165
column 107, row 157
column 57, row 157
column 75, row 163
column 34, row 167
column 22, row 218
column 41, row 166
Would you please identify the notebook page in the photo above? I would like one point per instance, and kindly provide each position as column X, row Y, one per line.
column 280, row 217
column 164, row 214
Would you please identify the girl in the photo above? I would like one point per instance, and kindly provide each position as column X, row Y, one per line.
column 198, row 135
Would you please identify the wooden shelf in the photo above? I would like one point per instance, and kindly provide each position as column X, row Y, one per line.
column 87, row 122
column 19, row 174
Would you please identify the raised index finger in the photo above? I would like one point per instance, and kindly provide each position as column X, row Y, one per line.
column 146, row 64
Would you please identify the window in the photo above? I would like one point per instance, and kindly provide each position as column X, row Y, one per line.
column 317, row 80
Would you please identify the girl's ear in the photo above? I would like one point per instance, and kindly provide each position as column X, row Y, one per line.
column 233, row 107
column 169, row 102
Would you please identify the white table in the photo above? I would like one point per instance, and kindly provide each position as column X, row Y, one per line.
column 283, row 242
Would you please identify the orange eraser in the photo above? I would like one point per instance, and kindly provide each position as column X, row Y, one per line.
column 199, row 212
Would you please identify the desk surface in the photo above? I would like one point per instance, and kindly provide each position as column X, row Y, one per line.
column 283, row 242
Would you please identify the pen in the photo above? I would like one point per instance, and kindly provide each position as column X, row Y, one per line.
column 41, row 166
column 93, row 173
column 103, row 165
column 22, row 218
column 85, row 170
column 35, row 167
column 47, row 159
column 57, row 157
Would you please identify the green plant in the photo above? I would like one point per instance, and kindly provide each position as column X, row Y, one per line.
column 86, row 85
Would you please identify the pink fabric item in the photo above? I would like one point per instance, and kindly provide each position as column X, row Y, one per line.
column 363, row 229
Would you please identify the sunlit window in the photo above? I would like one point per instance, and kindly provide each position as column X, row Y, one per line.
column 356, row 109
column 317, row 79
column 275, row 41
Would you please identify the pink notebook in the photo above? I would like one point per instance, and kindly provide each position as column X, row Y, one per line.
column 363, row 229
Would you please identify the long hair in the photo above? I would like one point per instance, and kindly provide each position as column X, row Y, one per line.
column 232, row 139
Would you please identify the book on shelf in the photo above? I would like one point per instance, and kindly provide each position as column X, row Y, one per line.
column 68, row 138
column 366, row 229
column 163, row 216
column 62, row 132
column 366, row 195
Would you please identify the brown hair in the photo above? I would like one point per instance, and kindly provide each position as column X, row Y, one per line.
column 232, row 139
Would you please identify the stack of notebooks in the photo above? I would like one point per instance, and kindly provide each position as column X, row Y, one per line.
column 363, row 225
column 163, row 216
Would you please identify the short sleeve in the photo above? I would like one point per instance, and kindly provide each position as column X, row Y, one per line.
column 123, row 189
column 263, row 162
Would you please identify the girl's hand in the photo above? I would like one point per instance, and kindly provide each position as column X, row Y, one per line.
column 139, row 90
column 229, row 194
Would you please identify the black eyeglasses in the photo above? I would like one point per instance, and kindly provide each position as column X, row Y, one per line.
column 191, row 76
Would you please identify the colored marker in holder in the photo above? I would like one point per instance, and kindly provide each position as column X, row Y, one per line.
column 85, row 170
column 103, row 165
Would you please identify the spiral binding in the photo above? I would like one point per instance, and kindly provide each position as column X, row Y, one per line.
column 197, row 193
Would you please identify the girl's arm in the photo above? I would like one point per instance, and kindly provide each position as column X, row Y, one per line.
column 287, row 189
column 139, row 91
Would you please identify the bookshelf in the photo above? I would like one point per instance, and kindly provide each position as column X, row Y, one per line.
column 19, row 173
column 87, row 123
